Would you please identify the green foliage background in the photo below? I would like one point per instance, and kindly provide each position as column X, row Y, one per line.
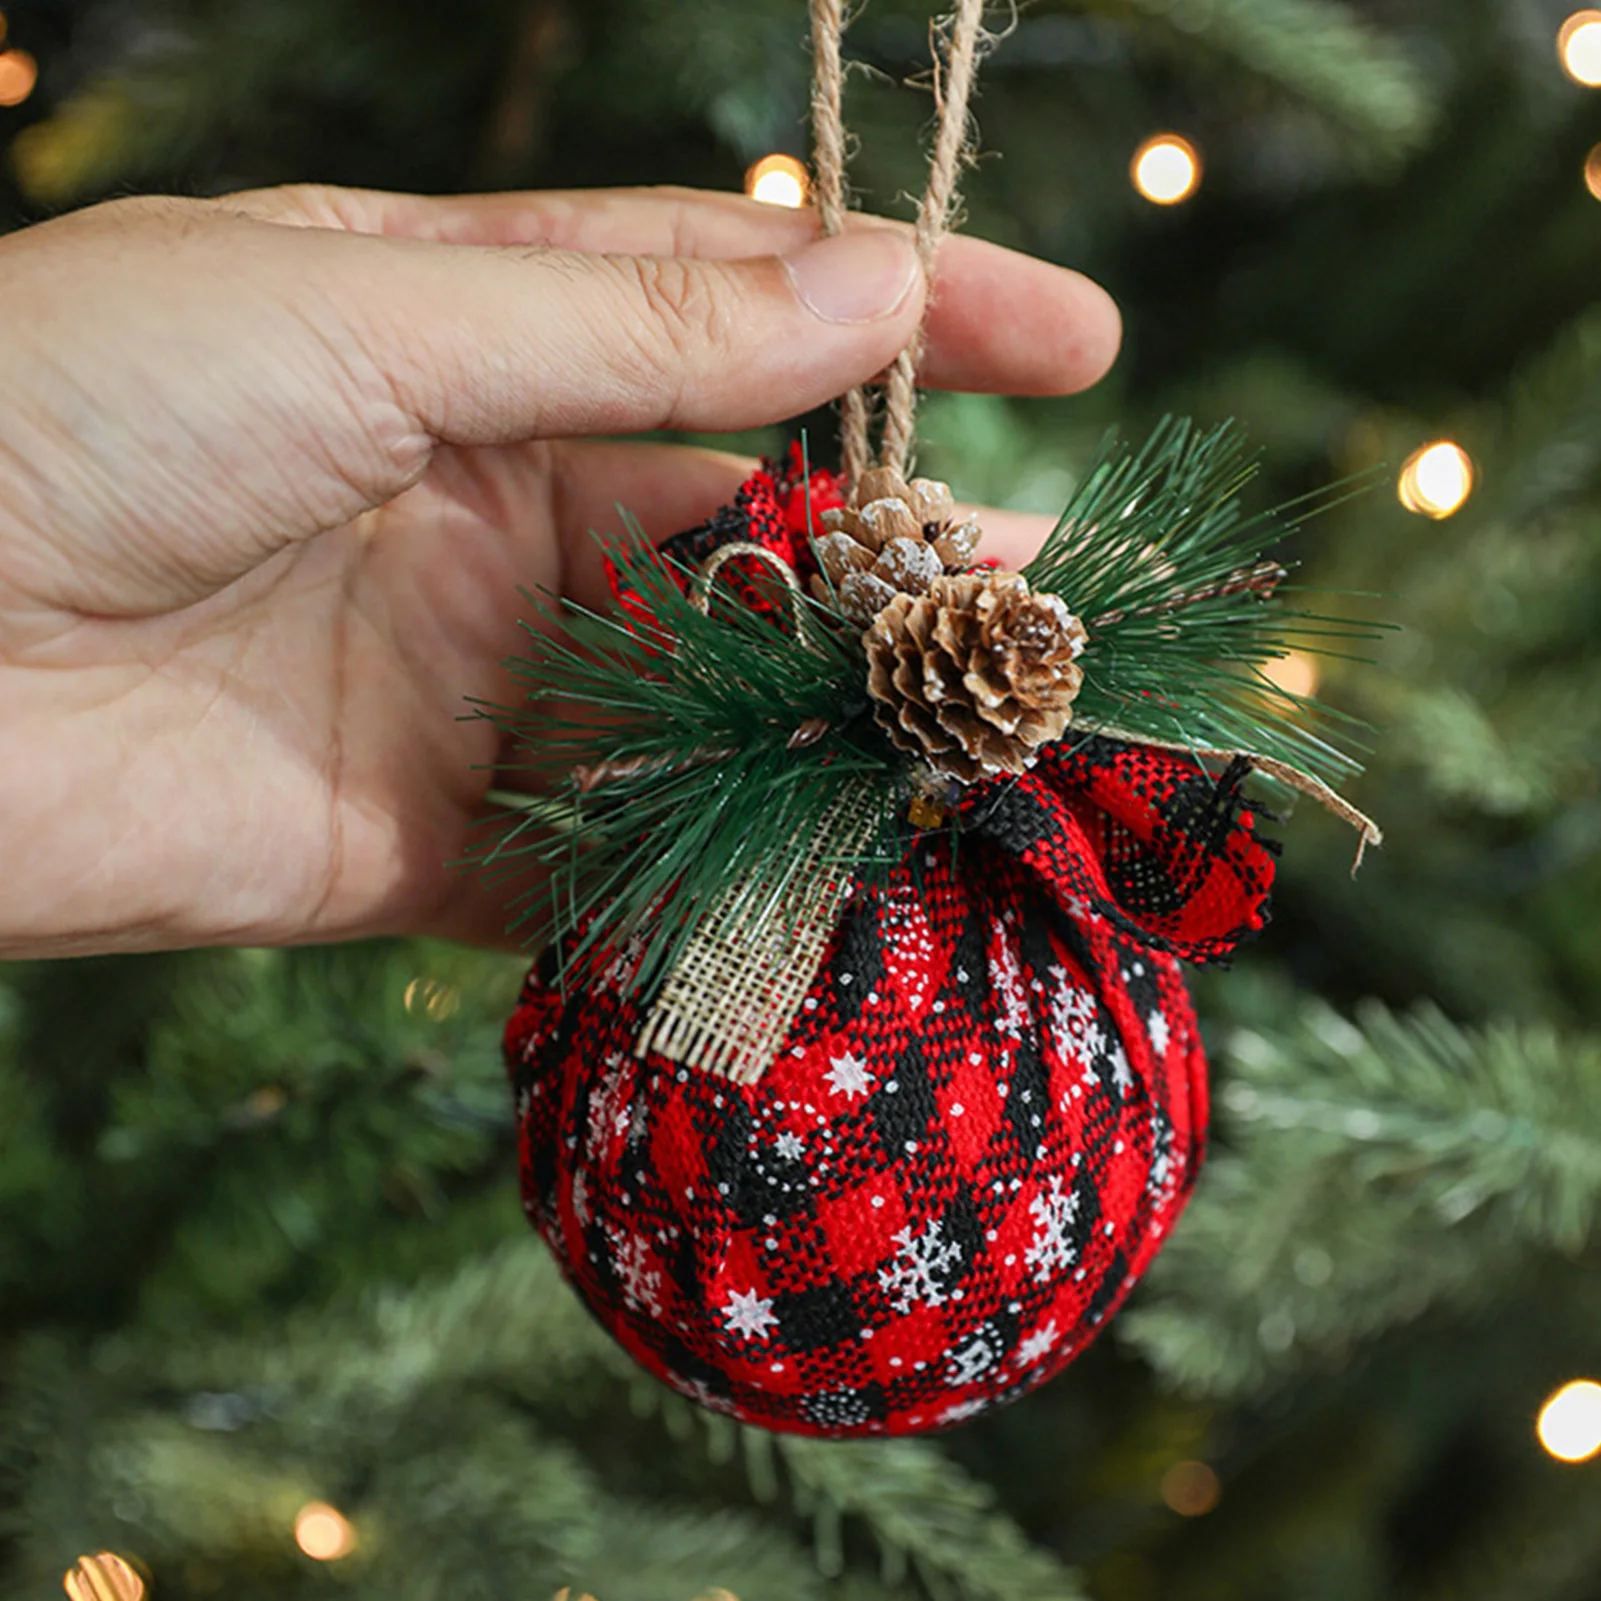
column 259, row 1240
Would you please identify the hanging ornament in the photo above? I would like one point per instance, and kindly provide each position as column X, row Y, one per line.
column 858, row 1082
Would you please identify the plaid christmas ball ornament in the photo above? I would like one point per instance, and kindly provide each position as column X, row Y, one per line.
column 981, row 1125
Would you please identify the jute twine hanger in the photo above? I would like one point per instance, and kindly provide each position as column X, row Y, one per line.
column 957, row 47
column 732, row 994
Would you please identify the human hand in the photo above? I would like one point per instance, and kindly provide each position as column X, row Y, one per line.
column 272, row 469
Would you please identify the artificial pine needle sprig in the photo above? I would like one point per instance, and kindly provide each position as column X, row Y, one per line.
column 1167, row 570
column 687, row 746
column 678, row 749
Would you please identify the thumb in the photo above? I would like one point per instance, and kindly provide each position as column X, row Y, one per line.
column 487, row 346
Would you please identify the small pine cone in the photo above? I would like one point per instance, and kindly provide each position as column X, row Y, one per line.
column 838, row 554
column 899, row 532
column 876, row 522
column 958, row 544
column 908, row 565
column 879, row 483
column 975, row 675
column 929, row 501
column 862, row 596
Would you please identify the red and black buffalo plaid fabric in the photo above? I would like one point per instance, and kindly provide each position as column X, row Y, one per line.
column 778, row 507
column 986, row 1118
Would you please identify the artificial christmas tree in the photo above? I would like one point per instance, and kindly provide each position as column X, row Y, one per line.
column 259, row 1246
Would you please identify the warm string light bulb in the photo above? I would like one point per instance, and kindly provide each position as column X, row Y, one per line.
column 1295, row 673
column 1579, row 48
column 1569, row 1427
column 1592, row 171
column 103, row 1577
column 778, row 180
column 19, row 72
column 323, row 1532
column 1166, row 169
column 1191, row 1489
column 1436, row 479
column 432, row 996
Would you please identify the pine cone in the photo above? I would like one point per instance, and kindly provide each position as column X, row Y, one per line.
column 975, row 675
column 896, row 539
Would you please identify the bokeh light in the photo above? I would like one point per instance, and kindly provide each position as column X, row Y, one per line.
column 19, row 72
column 1191, row 1489
column 1436, row 479
column 778, row 180
column 1579, row 47
column 266, row 1102
column 1570, row 1422
column 433, row 997
column 104, row 1577
column 323, row 1532
column 1295, row 673
column 1592, row 171
column 1166, row 169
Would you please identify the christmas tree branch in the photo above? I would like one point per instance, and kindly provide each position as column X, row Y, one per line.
column 1324, row 55
column 1156, row 548
column 1370, row 1171
column 927, row 1514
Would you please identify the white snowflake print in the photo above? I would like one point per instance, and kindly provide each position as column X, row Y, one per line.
column 1075, row 1019
column 1076, row 1023
column 1039, row 1345
column 1122, row 1074
column 787, row 1160
column 1160, row 1183
column 581, row 1197
column 959, row 1410
column 1006, row 980
column 1052, row 1249
column 619, row 972
column 609, row 1112
column 641, row 1284
column 967, row 1364
column 631, row 1119
column 1156, row 1026
column 923, row 1266
column 848, row 1076
column 748, row 1314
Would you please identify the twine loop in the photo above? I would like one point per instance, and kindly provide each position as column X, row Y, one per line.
column 955, row 48
column 808, row 630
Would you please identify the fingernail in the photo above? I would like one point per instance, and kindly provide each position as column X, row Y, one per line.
column 856, row 277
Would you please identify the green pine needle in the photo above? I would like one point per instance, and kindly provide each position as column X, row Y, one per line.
column 685, row 721
column 1148, row 527
column 706, row 705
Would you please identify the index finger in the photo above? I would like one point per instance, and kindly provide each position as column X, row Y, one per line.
column 999, row 322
